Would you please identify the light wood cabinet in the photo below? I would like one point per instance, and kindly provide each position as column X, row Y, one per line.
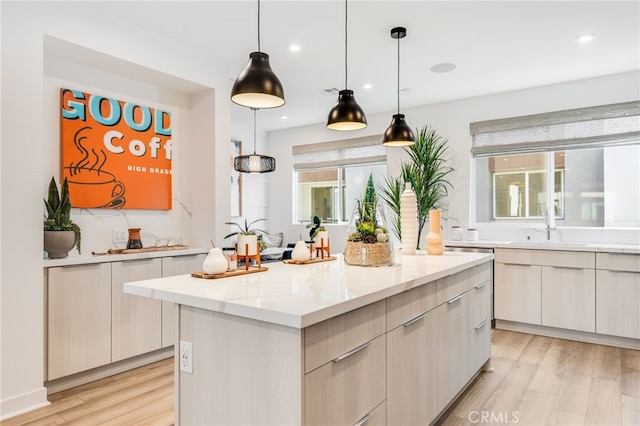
column 569, row 298
column 411, row 357
column 452, row 348
column 411, row 371
column 618, row 295
column 136, row 321
column 79, row 319
column 517, row 292
column 171, row 266
column 347, row 388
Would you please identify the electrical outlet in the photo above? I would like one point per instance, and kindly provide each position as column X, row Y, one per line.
column 186, row 360
column 120, row 235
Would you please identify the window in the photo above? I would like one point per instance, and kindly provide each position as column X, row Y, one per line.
column 330, row 176
column 584, row 165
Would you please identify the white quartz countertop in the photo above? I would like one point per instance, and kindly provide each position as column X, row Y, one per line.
column 85, row 260
column 596, row 247
column 301, row 295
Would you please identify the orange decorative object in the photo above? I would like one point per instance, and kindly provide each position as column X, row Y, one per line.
column 434, row 237
column 245, row 257
column 321, row 249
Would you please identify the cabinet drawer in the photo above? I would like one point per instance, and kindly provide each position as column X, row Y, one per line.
column 479, row 274
column 334, row 337
column 574, row 259
column 618, row 262
column 479, row 304
column 451, row 286
column 480, row 345
column 410, row 304
column 377, row 417
column 344, row 391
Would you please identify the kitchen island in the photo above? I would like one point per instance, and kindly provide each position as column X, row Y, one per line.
column 329, row 343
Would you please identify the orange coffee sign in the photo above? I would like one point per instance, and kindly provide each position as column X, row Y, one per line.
column 115, row 154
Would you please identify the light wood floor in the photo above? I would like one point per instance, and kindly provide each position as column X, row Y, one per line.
column 536, row 381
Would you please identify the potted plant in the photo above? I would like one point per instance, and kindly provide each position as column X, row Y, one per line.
column 60, row 233
column 318, row 233
column 368, row 243
column 247, row 237
column 427, row 171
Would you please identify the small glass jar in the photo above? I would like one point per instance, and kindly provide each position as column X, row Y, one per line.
column 472, row 234
column 456, row 233
column 232, row 258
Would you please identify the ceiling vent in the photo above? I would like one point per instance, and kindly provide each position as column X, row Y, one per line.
column 330, row 92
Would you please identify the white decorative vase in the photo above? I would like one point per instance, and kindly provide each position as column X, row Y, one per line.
column 409, row 220
column 250, row 241
column 215, row 262
column 300, row 252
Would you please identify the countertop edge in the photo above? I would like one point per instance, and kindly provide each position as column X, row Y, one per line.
column 87, row 260
column 299, row 321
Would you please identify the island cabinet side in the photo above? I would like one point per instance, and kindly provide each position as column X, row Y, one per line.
column 244, row 371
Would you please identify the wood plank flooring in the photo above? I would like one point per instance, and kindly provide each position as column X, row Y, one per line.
column 536, row 381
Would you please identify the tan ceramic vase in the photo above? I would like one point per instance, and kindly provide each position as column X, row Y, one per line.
column 434, row 237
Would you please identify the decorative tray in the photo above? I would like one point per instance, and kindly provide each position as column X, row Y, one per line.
column 305, row 262
column 251, row 270
column 141, row 250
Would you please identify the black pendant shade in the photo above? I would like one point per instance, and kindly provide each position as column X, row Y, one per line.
column 398, row 133
column 257, row 86
column 254, row 163
column 346, row 114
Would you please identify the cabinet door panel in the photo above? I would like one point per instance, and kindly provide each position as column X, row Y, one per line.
column 569, row 298
column 480, row 345
column 452, row 349
column 136, row 321
column 411, row 372
column 79, row 319
column 479, row 304
column 518, row 293
column 343, row 392
column 176, row 265
column 618, row 307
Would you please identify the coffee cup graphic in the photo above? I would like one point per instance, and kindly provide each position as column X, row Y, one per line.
column 92, row 188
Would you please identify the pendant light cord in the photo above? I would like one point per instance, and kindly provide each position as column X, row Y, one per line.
column 345, row 46
column 398, row 75
column 258, row 27
column 254, row 130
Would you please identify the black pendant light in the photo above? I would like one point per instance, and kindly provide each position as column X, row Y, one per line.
column 254, row 163
column 398, row 133
column 257, row 86
column 346, row 114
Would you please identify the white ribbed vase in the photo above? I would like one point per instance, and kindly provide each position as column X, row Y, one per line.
column 409, row 220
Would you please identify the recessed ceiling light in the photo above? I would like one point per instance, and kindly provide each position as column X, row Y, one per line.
column 367, row 86
column 294, row 47
column 443, row 67
column 585, row 38
column 284, row 117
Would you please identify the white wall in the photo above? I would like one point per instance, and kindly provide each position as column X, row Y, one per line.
column 451, row 120
column 199, row 87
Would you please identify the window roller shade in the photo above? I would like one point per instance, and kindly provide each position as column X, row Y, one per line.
column 607, row 125
column 364, row 150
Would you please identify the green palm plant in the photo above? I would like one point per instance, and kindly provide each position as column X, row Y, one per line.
column 428, row 173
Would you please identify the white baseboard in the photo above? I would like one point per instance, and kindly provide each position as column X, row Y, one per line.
column 23, row 403
column 580, row 336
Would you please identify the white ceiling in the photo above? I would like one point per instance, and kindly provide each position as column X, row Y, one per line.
column 497, row 46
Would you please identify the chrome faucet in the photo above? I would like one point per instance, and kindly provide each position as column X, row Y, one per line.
column 547, row 222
